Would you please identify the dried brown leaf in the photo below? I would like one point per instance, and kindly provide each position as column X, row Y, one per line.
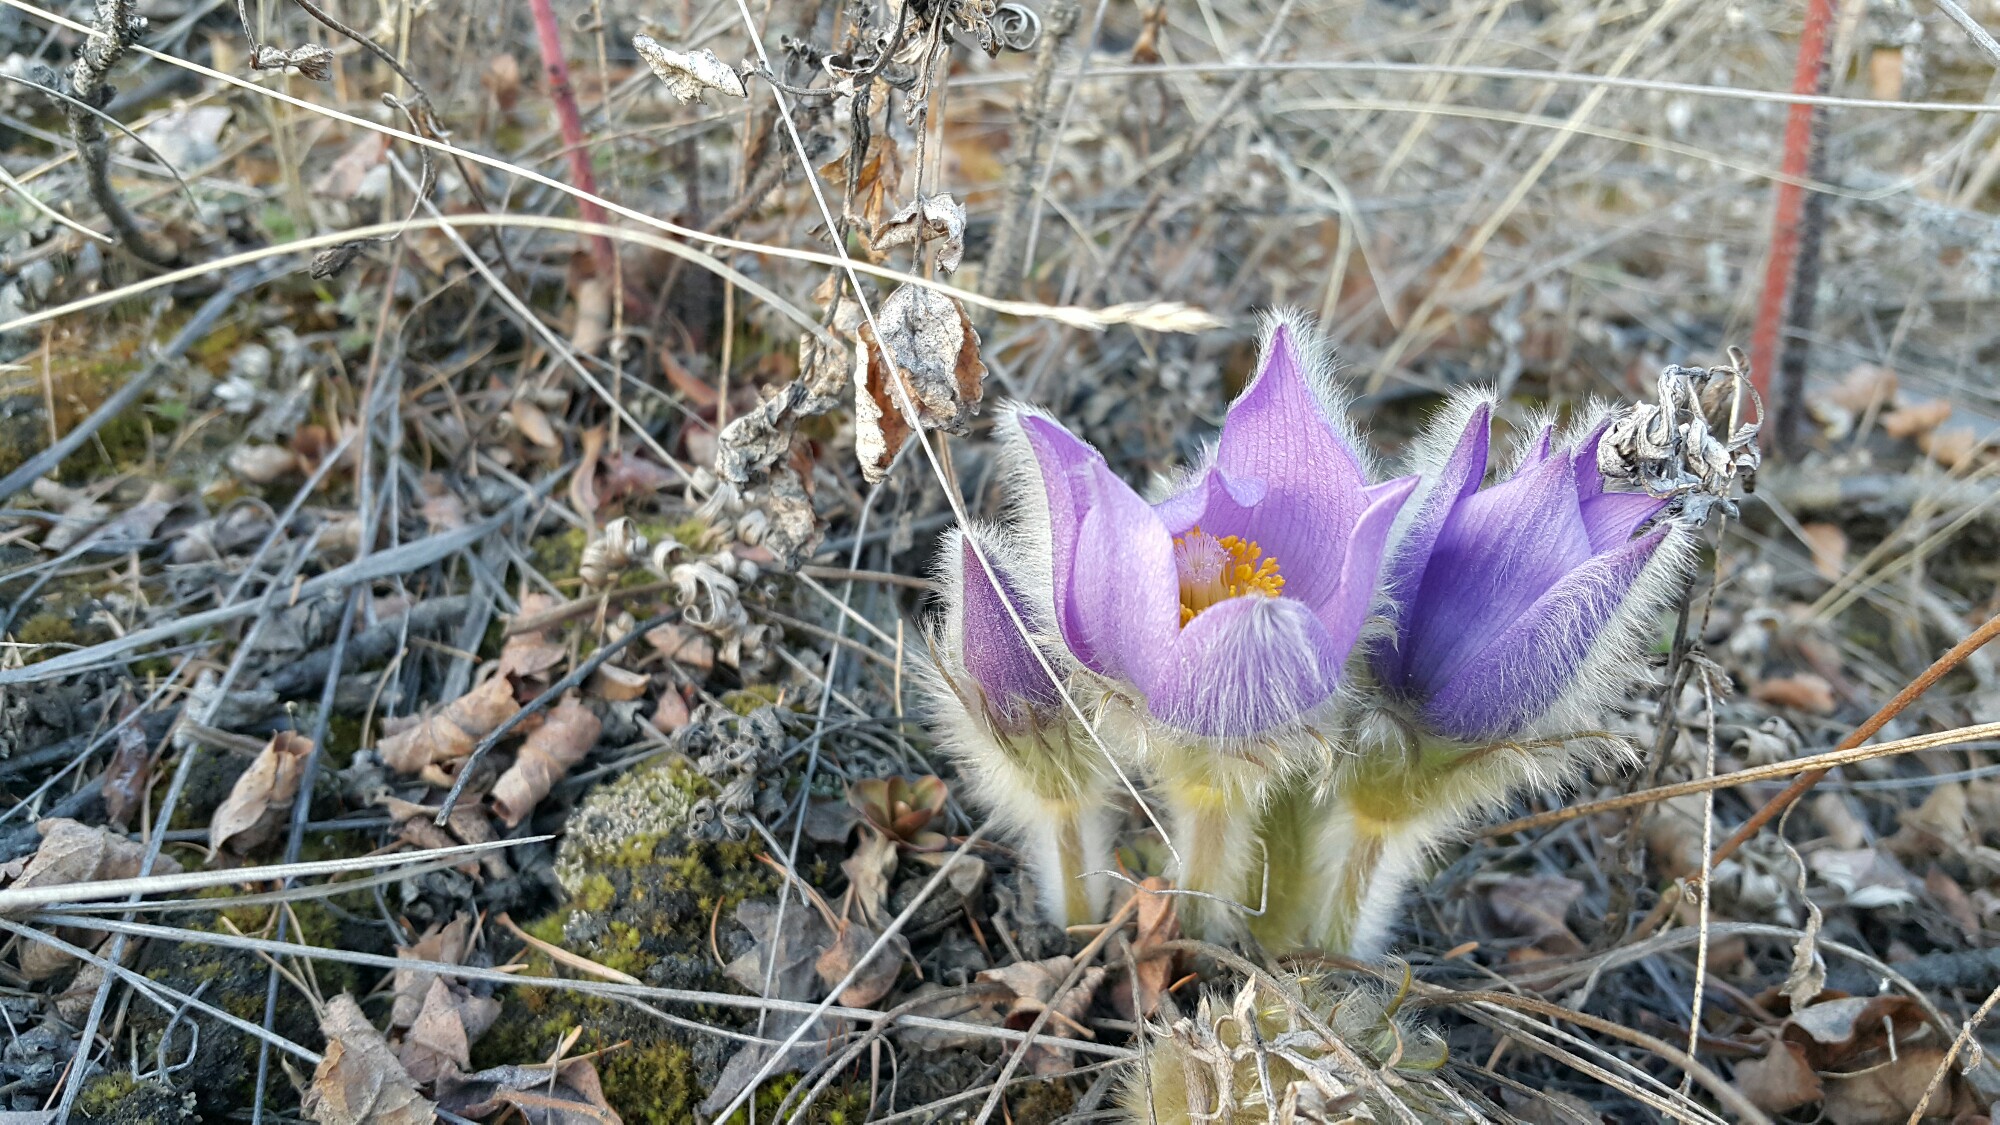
column 261, row 799
column 935, row 352
column 684, row 645
column 533, row 424
column 359, row 1081
column 72, row 852
column 567, row 1093
column 671, row 712
column 1803, row 691
column 1036, row 986
column 440, row 1039
column 868, row 871
column 591, row 325
column 617, row 685
column 447, row 945
column 529, row 654
column 127, row 777
column 453, row 730
column 1535, row 907
column 1919, row 418
column 1153, row 967
column 1780, row 1081
column 546, row 755
column 583, row 481
column 1829, row 548
column 1890, row 1092
column 878, row 974
column 932, row 217
column 262, row 464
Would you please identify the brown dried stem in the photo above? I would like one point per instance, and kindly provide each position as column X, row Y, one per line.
column 117, row 25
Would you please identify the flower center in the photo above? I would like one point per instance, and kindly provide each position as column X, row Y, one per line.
column 1214, row 570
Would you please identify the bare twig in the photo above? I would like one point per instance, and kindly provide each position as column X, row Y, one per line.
column 118, row 24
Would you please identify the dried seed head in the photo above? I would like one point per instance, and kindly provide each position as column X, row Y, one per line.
column 311, row 61
column 688, row 73
column 1668, row 448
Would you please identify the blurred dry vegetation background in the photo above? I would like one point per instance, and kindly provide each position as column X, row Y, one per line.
column 428, row 424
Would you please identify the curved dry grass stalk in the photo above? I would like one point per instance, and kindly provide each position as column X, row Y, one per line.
column 18, row 901
column 1832, row 759
column 593, row 987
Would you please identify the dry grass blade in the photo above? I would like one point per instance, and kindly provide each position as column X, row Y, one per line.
column 14, row 902
column 593, row 987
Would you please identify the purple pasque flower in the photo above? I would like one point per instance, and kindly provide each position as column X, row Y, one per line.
column 1013, row 691
column 1502, row 593
column 1230, row 607
column 1003, row 718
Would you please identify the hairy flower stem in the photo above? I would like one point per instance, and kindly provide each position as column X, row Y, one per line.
column 1212, row 806
column 1064, row 846
column 1342, row 851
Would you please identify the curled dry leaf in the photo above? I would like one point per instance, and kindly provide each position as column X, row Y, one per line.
column 567, row 1093
column 683, row 645
column 935, row 353
column 671, row 712
column 262, row 797
column 617, row 685
column 453, row 730
column 611, row 553
column 533, row 424
column 1037, row 985
column 1803, row 692
column 447, row 945
column 358, row 1080
column 932, row 217
column 878, row 974
column 440, row 1039
column 546, row 755
column 688, row 73
column 1158, row 924
column 126, row 778
column 262, row 464
column 1917, row 419
column 72, row 852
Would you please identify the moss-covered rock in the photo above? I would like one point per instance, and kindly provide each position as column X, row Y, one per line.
column 650, row 896
column 121, row 1099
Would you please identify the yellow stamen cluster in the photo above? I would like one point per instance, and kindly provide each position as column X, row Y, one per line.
column 1214, row 570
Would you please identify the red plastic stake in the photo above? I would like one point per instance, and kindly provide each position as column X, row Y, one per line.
column 1791, row 197
column 557, row 68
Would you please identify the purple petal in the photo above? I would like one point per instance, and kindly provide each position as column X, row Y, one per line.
column 1521, row 671
column 1278, row 432
column 1213, row 491
column 1498, row 552
column 994, row 651
column 1066, row 465
column 1610, row 518
column 1538, row 452
column 1123, row 610
column 1344, row 614
column 1589, row 481
column 1246, row 666
column 1403, row 577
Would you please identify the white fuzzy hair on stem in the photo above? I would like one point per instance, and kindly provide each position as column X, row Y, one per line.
column 1045, row 782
